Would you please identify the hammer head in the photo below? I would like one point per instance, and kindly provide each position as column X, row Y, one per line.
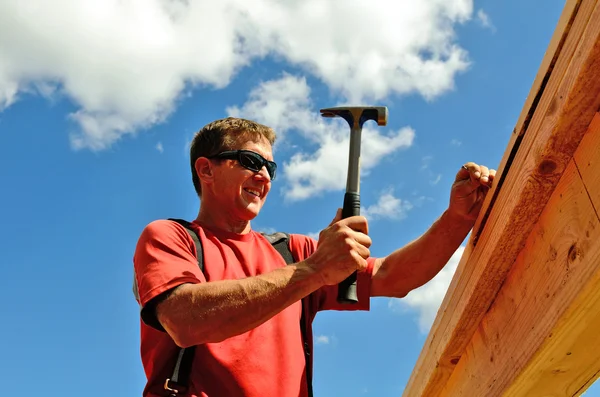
column 357, row 115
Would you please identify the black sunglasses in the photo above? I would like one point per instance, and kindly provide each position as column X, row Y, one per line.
column 249, row 160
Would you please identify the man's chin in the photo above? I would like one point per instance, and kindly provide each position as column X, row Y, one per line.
column 251, row 212
column 249, row 209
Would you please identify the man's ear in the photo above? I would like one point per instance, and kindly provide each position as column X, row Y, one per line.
column 204, row 169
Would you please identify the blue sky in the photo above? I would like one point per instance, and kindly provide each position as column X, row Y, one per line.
column 99, row 102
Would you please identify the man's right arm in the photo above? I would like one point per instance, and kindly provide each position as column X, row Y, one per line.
column 194, row 314
column 205, row 312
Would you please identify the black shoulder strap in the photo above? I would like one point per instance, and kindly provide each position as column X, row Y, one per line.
column 188, row 226
column 280, row 241
column 177, row 383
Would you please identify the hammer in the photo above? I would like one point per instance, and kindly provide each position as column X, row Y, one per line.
column 355, row 116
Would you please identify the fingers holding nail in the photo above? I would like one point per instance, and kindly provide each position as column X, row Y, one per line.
column 477, row 173
column 484, row 174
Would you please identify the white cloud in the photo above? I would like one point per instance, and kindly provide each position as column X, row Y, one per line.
column 124, row 64
column 314, row 235
column 282, row 104
column 388, row 206
column 436, row 179
column 329, row 340
column 391, row 58
column 419, row 200
column 455, row 142
column 285, row 104
column 427, row 299
column 485, row 20
column 159, row 147
column 325, row 169
column 425, row 162
column 322, row 340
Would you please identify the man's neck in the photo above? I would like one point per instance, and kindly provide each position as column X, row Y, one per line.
column 212, row 219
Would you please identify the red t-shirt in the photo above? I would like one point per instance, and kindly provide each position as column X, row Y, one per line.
column 266, row 361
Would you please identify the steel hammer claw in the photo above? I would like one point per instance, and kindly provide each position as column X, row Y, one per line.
column 356, row 116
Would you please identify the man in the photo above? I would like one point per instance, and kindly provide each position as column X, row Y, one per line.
column 243, row 310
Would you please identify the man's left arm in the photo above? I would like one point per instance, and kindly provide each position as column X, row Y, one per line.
column 419, row 261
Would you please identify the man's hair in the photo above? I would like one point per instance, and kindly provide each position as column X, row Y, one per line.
column 225, row 134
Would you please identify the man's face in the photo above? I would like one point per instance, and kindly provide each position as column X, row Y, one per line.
column 241, row 193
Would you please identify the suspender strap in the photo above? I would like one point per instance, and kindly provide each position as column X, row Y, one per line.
column 188, row 226
column 280, row 243
column 305, row 330
column 176, row 385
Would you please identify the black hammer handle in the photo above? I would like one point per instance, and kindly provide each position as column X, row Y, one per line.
column 347, row 289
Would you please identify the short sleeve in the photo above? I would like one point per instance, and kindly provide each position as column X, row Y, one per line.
column 165, row 257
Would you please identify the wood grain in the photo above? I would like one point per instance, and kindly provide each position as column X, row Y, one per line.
column 569, row 361
column 561, row 117
column 587, row 158
column 532, row 342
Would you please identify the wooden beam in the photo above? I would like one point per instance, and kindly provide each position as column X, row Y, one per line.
column 539, row 337
column 531, row 169
column 568, row 362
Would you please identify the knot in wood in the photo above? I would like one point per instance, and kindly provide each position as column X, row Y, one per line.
column 573, row 253
column 547, row 167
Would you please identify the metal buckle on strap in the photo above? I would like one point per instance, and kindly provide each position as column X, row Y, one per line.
column 173, row 388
